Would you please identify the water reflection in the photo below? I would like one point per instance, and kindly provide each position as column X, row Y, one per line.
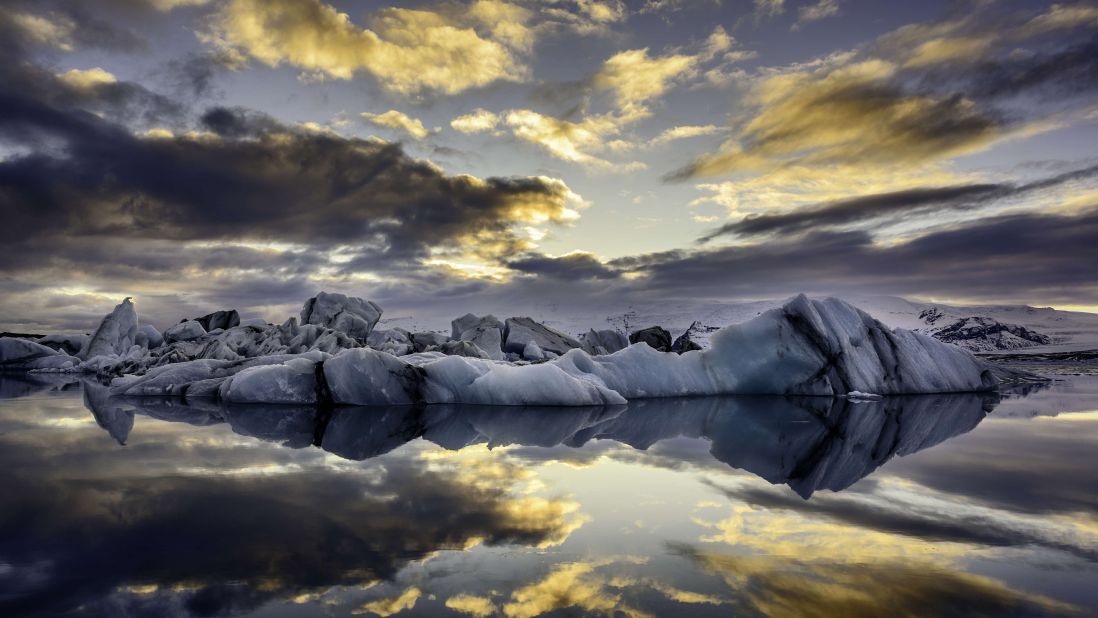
column 660, row 507
column 808, row 443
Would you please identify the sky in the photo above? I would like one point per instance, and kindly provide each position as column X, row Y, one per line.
column 471, row 155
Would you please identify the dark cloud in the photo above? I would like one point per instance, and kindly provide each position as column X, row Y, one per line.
column 1067, row 71
column 973, row 260
column 895, row 204
column 567, row 267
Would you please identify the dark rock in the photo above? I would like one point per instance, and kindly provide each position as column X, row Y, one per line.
column 683, row 343
column 219, row 319
column 655, row 336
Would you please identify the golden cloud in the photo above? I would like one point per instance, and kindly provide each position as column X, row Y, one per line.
column 390, row 605
column 87, row 79
column 409, row 51
column 948, row 49
column 569, row 141
column 478, row 121
column 852, row 114
column 480, row 607
column 571, row 585
column 636, row 78
column 394, row 119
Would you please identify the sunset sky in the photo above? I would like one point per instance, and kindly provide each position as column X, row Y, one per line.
column 455, row 156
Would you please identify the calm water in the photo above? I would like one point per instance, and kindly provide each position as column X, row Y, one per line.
column 948, row 505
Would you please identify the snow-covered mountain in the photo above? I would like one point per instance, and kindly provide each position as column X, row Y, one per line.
column 979, row 328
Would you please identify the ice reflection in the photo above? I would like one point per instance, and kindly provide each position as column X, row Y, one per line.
column 808, row 443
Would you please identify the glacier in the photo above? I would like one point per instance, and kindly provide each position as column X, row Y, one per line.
column 807, row 347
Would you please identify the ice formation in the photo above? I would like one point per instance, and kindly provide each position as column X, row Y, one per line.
column 336, row 357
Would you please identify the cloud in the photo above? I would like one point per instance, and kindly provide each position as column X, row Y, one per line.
column 568, row 267
column 143, row 513
column 66, row 27
column 569, row 585
column 479, row 607
column 566, row 140
column 916, row 97
column 408, row 51
column 894, row 512
column 906, row 203
column 965, row 261
column 786, row 586
column 635, row 78
column 271, row 181
column 948, row 49
column 853, row 114
column 168, row 5
column 685, row 132
column 80, row 190
column 394, row 119
column 768, row 8
column 968, row 260
column 478, row 121
column 87, row 79
column 389, row 606
column 815, row 12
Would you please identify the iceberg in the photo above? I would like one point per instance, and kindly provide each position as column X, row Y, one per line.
column 804, row 348
column 347, row 314
column 115, row 335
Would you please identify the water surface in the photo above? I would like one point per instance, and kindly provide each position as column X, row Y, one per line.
column 768, row 506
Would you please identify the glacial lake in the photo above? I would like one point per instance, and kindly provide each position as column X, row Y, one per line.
column 963, row 505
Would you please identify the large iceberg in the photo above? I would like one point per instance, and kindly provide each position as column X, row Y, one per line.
column 807, row 347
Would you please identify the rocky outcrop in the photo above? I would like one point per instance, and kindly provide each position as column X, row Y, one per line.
column 982, row 334
column 654, row 336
